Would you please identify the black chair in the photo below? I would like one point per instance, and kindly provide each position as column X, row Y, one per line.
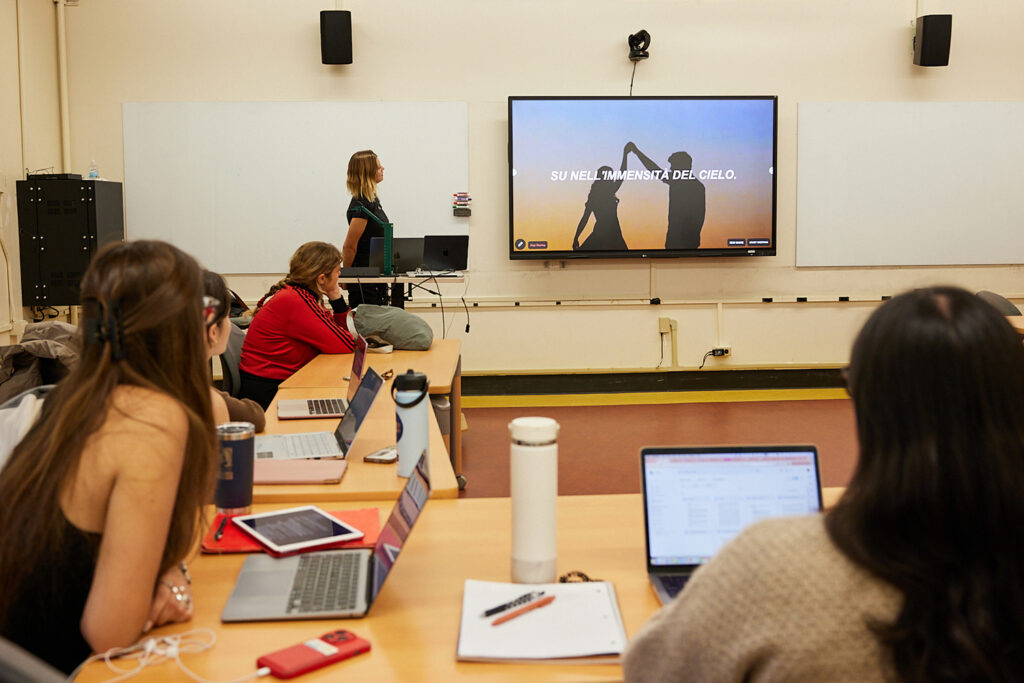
column 1001, row 303
column 19, row 666
column 229, row 360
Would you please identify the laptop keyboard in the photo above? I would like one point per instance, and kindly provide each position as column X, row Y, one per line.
column 326, row 406
column 325, row 583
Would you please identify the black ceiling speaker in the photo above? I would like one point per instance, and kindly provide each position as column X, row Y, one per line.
column 336, row 37
column 638, row 44
column 931, row 42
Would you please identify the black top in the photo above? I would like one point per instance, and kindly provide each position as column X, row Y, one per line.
column 359, row 293
column 46, row 612
column 372, row 230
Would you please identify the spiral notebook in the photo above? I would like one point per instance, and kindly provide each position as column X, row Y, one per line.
column 582, row 624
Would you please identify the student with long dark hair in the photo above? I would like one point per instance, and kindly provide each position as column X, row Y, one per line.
column 102, row 498
column 917, row 574
column 218, row 332
column 292, row 325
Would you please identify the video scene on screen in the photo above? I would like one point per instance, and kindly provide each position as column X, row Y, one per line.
column 621, row 175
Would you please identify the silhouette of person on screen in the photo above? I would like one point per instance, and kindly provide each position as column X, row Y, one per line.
column 602, row 202
column 686, row 199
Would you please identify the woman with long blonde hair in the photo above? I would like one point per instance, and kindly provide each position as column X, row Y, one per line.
column 292, row 325
column 364, row 173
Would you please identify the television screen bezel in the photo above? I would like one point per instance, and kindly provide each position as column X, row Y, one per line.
column 526, row 254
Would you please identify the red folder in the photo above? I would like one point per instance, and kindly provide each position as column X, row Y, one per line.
column 234, row 540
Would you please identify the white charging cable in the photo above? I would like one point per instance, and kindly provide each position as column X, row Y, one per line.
column 156, row 650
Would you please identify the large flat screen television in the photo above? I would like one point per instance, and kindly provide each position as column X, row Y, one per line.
column 608, row 177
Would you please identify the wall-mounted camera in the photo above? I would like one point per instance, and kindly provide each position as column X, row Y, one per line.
column 638, row 44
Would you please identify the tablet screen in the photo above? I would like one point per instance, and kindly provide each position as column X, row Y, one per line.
column 297, row 528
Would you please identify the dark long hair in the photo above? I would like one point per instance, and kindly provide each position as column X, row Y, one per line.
column 936, row 504
column 160, row 346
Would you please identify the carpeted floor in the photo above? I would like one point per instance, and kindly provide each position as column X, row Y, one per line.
column 598, row 446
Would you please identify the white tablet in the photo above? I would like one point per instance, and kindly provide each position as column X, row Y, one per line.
column 292, row 529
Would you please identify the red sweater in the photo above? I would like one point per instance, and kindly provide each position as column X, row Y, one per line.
column 290, row 330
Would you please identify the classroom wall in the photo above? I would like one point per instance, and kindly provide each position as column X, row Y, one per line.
column 481, row 52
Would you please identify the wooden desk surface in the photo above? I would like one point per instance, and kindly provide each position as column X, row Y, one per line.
column 1017, row 321
column 439, row 363
column 414, row 624
column 362, row 480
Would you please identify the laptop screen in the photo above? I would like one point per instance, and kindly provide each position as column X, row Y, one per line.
column 696, row 500
column 445, row 252
column 356, row 374
column 396, row 529
column 358, row 407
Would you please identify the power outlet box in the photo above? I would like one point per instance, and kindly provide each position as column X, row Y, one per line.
column 720, row 351
column 664, row 325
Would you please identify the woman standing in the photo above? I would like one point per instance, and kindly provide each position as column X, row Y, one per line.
column 102, row 498
column 364, row 173
column 292, row 326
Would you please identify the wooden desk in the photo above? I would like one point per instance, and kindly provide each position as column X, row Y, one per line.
column 362, row 480
column 1017, row 321
column 414, row 624
column 441, row 363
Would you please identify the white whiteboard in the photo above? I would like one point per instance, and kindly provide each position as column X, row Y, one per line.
column 910, row 183
column 240, row 185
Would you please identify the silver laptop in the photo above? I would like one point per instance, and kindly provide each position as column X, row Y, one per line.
column 302, row 408
column 698, row 499
column 332, row 583
column 334, row 444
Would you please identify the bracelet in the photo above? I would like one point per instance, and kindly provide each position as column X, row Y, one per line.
column 184, row 572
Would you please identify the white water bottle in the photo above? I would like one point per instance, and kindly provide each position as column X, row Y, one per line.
column 412, row 407
column 94, row 171
column 534, row 488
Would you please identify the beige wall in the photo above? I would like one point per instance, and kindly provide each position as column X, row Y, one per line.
column 483, row 51
column 29, row 124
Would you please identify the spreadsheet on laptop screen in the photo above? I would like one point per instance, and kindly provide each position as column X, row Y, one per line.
column 696, row 502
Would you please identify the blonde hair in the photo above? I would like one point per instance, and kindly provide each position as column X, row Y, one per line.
column 362, row 174
column 308, row 262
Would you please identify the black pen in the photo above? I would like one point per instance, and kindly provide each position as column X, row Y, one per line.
column 220, row 529
column 526, row 597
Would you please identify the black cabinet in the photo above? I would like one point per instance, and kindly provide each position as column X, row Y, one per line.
column 61, row 224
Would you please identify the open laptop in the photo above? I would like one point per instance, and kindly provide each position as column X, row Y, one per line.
column 696, row 499
column 302, row 408
column 444, row 254
column 324, row 444
column 406, row 253
column 332, row 583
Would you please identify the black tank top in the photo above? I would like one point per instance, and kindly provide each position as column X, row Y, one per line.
column 46, row 613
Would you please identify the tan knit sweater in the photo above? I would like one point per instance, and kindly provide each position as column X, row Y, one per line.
column 778, row 603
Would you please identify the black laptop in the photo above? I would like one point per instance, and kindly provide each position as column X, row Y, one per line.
column 696, row 499
column 406, row 253
column 445, row 253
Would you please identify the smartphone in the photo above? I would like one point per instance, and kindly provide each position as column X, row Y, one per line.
column 313, row 654
column 385, row 455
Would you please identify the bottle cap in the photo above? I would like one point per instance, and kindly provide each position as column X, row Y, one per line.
column 533, row 430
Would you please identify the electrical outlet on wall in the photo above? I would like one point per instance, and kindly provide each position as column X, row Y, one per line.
column 720, row 351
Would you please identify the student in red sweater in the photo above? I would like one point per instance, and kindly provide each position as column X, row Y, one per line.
column 292, row 325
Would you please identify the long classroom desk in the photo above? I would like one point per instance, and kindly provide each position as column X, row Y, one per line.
column 414, row 625
column 441, row 363
column 362, row 480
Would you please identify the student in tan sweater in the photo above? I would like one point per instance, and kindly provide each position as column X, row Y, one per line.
column 917, row 574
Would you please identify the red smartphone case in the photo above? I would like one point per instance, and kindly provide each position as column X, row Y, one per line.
column 313, row 654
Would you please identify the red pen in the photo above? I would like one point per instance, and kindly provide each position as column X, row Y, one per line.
column 523, row 610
